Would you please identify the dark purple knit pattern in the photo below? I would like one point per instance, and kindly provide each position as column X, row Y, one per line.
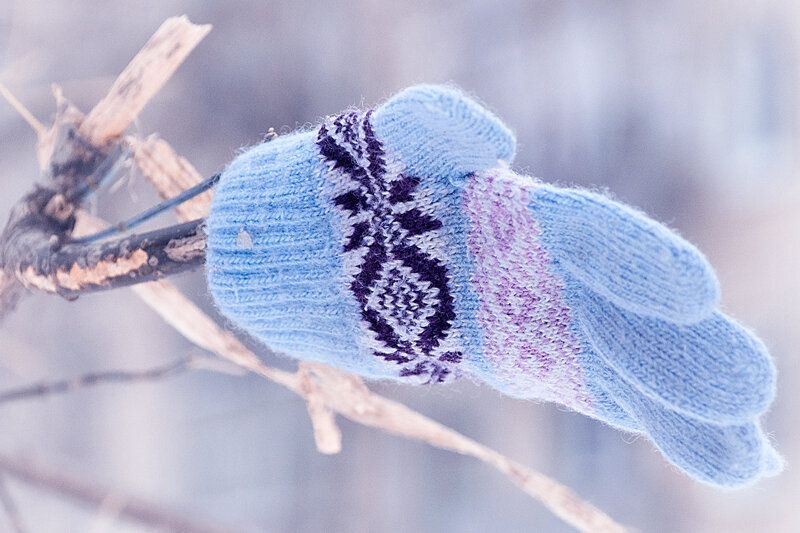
column 392, row 252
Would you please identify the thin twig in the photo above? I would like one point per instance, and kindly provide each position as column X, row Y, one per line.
column 10, row 507
column 152, row 212
column 39, row 390
column 134, row 509
column 155, row 157
column 32, row 121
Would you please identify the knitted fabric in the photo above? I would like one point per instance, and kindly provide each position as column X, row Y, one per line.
column 397, row 244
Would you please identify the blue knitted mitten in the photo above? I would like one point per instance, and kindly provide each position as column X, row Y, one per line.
column 396, row 243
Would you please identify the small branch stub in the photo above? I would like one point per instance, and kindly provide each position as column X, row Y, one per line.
column 327, row 435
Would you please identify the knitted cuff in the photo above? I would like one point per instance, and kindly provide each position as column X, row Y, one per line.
column 353, row 236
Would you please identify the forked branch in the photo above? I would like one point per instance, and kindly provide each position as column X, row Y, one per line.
column 73, row 155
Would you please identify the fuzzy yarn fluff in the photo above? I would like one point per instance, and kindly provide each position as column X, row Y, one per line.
column 396, row 243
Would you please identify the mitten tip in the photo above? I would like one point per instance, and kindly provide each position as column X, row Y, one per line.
column 440, row 131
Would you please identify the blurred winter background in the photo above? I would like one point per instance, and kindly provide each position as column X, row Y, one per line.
column 689, row 110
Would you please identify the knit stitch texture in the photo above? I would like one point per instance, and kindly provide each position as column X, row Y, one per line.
column 396, row 243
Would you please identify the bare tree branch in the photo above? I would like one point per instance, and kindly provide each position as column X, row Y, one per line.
column 76, row 268
column 132, row 509
column 44, row 218
column 39, row 390
column 71, row 151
